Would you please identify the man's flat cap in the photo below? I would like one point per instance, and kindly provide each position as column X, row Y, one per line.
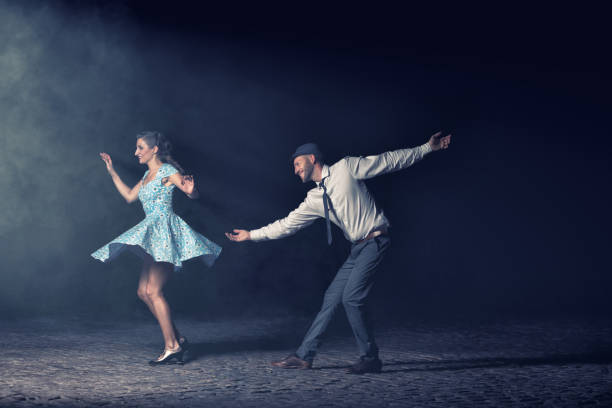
column 307, row 148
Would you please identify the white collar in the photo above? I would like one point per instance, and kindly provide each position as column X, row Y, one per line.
column 324, row 174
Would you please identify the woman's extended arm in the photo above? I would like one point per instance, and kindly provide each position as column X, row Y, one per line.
column 184, row 183
column 130, row 194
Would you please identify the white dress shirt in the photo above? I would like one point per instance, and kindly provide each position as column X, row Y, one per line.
column 352, row 208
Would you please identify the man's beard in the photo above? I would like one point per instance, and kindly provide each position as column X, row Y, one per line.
column 308, row 168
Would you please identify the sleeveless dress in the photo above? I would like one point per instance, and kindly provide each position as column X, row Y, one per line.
column 162, row 234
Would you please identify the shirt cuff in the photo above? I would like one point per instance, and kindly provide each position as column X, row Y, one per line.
column 256, row 235
column 425, row 148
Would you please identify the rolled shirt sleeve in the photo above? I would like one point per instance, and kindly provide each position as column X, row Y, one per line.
column 371, row 166
column 297, row 219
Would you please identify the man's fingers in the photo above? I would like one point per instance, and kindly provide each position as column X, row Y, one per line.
column 442, row 140
column 437, row 135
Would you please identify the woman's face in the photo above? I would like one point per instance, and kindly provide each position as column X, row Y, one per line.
column 144, row 152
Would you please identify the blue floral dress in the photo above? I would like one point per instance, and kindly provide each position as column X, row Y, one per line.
column 162, row 234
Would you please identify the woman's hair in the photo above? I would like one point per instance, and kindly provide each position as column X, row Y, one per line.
column 164, row 147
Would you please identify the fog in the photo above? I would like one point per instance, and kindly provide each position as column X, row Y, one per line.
column 512, row 219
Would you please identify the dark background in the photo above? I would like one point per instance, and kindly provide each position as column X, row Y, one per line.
column 512, row 220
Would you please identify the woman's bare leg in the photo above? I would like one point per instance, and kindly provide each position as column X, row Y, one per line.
column 142, row 285
column 159, row 273
column 142, row 292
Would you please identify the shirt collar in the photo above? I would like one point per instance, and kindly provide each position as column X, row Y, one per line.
column 324, row 174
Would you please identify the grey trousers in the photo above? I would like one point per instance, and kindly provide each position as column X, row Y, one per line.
column 350, row 287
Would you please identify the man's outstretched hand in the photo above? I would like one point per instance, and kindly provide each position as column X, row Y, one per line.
column 437, row 141
column 238, row 235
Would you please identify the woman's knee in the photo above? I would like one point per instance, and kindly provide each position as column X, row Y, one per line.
column 142, row 294
column 154, row 293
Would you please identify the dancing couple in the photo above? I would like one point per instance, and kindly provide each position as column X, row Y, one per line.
column 340, row 196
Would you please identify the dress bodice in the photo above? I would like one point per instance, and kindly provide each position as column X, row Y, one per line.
column 156, row 198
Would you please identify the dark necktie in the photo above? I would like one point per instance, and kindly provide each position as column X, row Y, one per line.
column 326, row 209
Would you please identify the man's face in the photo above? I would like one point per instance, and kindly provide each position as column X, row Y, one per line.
column 303, row 166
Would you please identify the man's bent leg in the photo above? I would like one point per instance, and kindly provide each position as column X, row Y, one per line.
column 331, row 301
column 357, row 289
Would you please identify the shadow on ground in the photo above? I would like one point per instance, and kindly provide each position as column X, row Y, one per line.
column 598, row 357
column 202, row 349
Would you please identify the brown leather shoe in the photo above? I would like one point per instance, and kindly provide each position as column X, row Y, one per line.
column 292, row 361
column 365, row 365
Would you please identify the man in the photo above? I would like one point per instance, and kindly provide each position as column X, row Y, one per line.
column 342, row 198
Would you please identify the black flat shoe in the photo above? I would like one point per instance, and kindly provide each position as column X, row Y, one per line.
column 168, row 357
column 365, row 365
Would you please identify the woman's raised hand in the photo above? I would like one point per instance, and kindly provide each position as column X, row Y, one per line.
column 107, row 160
column 188, row 184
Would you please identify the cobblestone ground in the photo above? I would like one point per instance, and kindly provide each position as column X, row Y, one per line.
column 75, row 363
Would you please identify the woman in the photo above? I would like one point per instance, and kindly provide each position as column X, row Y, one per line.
column 163, row 240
